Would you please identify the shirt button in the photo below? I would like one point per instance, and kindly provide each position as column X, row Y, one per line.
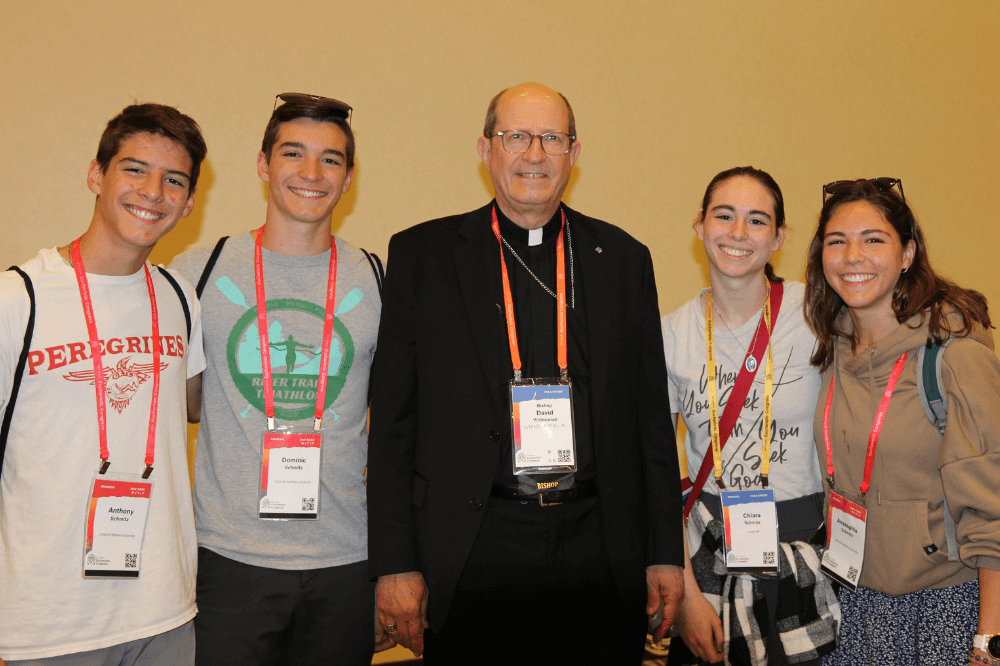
column 494, row 435
column 475, row 504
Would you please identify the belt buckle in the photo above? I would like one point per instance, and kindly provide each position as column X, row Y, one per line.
column 542, row 502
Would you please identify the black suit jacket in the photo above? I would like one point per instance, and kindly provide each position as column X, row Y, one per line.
column 440, row 406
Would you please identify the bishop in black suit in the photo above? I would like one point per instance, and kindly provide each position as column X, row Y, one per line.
column 492, row 569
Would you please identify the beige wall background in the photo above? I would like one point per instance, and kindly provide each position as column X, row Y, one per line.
column 666, row 94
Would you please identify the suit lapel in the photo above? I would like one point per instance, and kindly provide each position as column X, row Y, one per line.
column 599, row 288
column 475, row 261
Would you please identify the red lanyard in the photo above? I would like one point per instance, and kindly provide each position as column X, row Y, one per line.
column 883, row 407
column 508, row 301
column 265, row 351
column 100, row 381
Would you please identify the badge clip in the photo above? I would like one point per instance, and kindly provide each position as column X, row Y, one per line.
column 721, row 483
column 270, row 423
column 763, row 480
column 318, row 424
column 105, row 464
column 147, row 472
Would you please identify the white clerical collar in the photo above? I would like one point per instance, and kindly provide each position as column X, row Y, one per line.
column 534, row 237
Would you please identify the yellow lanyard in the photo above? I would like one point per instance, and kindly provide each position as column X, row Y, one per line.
column 713, row 400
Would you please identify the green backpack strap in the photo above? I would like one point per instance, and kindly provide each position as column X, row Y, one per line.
column 935, row 404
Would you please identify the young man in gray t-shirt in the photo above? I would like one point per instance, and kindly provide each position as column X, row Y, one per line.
column 281, row 512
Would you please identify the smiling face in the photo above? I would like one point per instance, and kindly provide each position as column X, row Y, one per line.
column 142, row 195
column 306, row 173
column 530, row 185
column 863, row 258
column 738, row 228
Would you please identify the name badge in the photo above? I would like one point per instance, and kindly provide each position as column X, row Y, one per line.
column 289, row 474
column 845, row 542
column 751, row 523
column 542, row 425
column 116, row 525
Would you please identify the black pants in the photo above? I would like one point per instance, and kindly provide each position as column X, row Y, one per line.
column 250, row 616
column 537, row 588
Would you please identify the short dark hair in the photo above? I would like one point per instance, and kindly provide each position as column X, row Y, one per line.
column 491, row 115
column 768, row 183
column 155, row 119
column 314, row 108
column 919, row 290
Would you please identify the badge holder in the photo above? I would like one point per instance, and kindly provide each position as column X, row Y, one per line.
column 291, row 459
column 845, row 542
column 751, row 522
column 542, row 425
column 115, row 527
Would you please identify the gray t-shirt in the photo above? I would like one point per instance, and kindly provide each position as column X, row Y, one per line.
column 228, row 463
column 795, row 469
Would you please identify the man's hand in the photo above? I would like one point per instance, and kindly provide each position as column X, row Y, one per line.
column 664, row 590
column 700, row 627
column 401, row 600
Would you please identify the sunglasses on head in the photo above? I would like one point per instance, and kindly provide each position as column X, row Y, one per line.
column 882, row 184
column 332, row 107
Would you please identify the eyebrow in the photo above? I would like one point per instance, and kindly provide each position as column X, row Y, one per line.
column 865, row 232
column 731, row 208
column 133, row 160
column 302, row 146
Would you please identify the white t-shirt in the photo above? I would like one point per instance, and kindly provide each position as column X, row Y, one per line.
column 795, row 469
column 47, row 608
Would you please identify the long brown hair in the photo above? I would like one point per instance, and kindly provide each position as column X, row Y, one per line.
column 918, row 290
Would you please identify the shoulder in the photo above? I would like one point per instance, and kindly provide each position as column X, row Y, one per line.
column 441, row 230
column 605, row 232
column 683, row 317
column 179, row 278
column 12, row 285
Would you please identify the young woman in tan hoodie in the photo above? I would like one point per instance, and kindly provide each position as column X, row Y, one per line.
column 873, row 300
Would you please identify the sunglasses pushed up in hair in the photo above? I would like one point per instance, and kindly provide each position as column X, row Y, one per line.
column 882, row 184
column 330, row 106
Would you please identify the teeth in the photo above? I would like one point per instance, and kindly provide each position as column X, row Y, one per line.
column 856, row 277
column 532, row 175
column 310, row 194
column 149, row 216
column 733, row 252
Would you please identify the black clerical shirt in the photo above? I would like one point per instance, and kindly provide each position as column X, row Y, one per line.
column 535, row 316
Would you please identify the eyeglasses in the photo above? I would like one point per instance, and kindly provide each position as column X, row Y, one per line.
column 882, row 184
column 519, row 141
column 331, row 107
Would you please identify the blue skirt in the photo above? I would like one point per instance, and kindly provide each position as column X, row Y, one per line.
column 932, row 627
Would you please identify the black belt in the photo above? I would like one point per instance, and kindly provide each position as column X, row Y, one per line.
column 580, row 490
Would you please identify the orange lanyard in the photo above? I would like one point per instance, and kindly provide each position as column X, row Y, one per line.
column 883, row 407
column 265, row 351
column 508, row 301
column 100, row 381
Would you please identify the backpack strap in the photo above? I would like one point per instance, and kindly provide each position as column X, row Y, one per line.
column 21, row 362
column 377, row 269
column 935, row 404
column 932, row 398
column 209, row 265
column 180, row 294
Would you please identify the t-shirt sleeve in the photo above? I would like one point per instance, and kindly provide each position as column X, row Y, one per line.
column 669, row 348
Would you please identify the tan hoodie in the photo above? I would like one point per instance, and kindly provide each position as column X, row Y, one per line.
column 915, row 467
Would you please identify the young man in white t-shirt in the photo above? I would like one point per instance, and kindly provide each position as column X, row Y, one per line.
column 68, row 451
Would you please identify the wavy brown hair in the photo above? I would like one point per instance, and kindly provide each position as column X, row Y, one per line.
column 918, row 290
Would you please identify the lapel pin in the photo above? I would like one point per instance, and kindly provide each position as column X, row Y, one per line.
column 598, row 250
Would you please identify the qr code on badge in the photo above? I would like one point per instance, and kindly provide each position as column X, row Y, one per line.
column 852, row 574
column 308, row 503
column 130, row 560
column 564, row 455
column 769, row 557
